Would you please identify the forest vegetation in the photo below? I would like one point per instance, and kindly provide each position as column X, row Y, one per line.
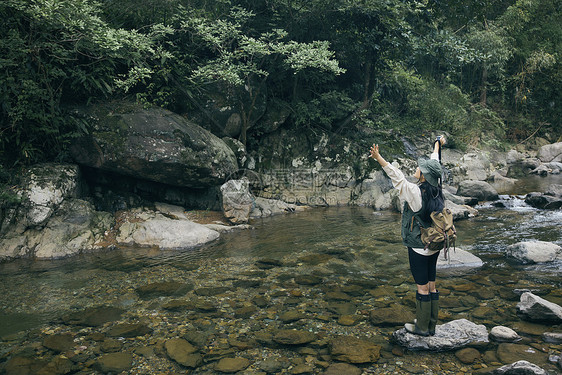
column 470, row 68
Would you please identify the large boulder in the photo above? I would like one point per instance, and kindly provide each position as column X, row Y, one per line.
column 449, row 336
column 537, row 309
column 153, row 144
column 155, row 229
column 73, row 228
column 551, row 153
column 481, row 190
column 535, row 251
column 44, row 187
column 236, row 201
column 543, row 201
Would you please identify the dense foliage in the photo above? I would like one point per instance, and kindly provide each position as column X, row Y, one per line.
column 466, row 67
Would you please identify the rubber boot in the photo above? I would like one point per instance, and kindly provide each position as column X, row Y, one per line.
column 423, row 314
column 434, row 312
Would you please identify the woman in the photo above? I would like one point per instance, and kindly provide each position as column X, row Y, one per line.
column 420, row 200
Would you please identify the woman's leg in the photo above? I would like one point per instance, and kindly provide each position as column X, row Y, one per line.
column 419, row 269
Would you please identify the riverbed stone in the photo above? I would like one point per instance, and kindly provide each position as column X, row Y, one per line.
column 94, row 316
column 394, row 315
column 342, row 368
column 504, row 334
column 232, row 365
column 452, row 335
column 467, row 355
column 293, row 337
column 481, row 190
column 129, row 330
column 510, row 353
column 351, row 349
column 114, row 362
column 182, row 352
column 164, row 288
column 534, row 308
column 59, row 342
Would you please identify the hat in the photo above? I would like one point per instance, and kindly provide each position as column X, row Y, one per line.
column 431, row 170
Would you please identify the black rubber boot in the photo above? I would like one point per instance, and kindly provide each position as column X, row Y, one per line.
column 434, row 312
column 423, row 314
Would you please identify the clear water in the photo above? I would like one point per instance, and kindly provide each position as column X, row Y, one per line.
column 360, row 243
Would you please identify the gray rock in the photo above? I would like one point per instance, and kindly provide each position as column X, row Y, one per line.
column 541, row 170
column 523, row 167
column 166, row 233
column 481, row 190
column 263, row 207
column 59, row 342
column 554, row 190
column 45, row 188
column 461, row 212
column 537, row 309
column 534, row 251
column 504, row 334
column 236, row 201
column 452, row 335
column 459, row 258
column 543, row 201
column 551, row 153
column 552, row 337
column 153, row 144
column 520, row 368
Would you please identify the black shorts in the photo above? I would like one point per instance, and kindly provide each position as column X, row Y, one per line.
column 423, row 267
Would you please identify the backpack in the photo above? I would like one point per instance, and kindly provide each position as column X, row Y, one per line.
column 441, row 234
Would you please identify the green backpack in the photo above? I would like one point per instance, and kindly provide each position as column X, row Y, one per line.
column 441, row 234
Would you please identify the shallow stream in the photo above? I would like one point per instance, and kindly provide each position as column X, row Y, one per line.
column 328, row 267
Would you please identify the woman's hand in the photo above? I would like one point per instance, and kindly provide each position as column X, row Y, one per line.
column 377, row 156
column 442, row 140
column 374, row 151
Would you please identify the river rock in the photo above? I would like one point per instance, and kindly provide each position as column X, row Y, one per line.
column 551, row 153
column 520, row 368
column 543, row 201
column 94, row 316
column 552, row 337
column 183, row 352
column 59, row 342
column 232, row 365
column 236, row 201
column 341, row 369
column 163, row 288
column 481, row 190
column 504, row 334
column 461, row 212
column 114, row 362
column 293, row 337
column 153, row 144
column 45, row 187
column 263, row 207
column 165, row 233
column 391, row 316
column 459, row 258
column 353, row 350
column 537, row 309
column 535, row 251
column 467, row 355
column 449, row 336
column 510, row 353
column 129, row 330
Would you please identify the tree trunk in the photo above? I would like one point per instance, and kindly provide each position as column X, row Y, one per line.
column 484, row 87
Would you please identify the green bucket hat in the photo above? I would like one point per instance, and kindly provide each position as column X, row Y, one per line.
column 431, row 170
